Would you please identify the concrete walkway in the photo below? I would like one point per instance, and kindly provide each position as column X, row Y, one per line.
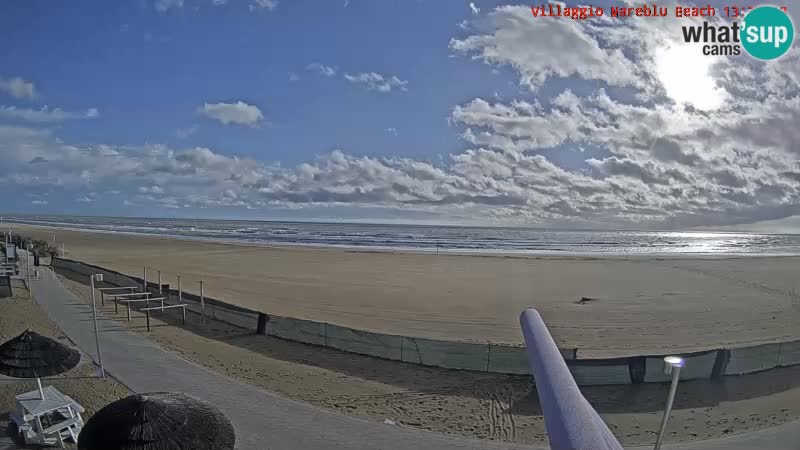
column 266, row 421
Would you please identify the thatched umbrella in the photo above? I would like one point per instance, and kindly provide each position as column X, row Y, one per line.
column 157, row 421
column 31, row 355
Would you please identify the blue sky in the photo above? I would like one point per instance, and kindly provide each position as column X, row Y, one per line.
column 148, row 71
column 415, row 110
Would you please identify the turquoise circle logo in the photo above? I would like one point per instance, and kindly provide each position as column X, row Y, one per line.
column 767, row 32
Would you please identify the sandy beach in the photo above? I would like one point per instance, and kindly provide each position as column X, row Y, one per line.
column 474, row 404
column 638, row 305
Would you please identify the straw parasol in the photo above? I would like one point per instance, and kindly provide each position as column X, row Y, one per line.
column 31, row 355
column 158, row 421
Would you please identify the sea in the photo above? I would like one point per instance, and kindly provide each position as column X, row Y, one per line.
column 446, row 239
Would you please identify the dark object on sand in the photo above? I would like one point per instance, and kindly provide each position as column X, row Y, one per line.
column 158, row 421
column 31, row 355
column 585, row 300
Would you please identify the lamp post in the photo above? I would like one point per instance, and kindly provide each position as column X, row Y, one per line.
column 672, row 364
column 28, row 268
column 97, row 277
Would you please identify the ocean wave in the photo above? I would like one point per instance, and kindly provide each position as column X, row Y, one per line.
column 446, row 238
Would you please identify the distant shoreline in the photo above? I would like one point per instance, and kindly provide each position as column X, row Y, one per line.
column 522, row 254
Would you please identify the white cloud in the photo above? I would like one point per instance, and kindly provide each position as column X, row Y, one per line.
column 322, row 69
column 18, row 88
column 545, row 47
column 391, row 130
column 163, row 6
column 90, row 197
column 473, row 8
column 184, row 133
column 377, row 82
column 584, row 156
column 293, row 76
column 151, row 190
column 38, row 202
column 263, row 4
column 45, row 114
column 239, row 113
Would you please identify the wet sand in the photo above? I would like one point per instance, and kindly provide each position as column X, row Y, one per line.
column 638, row 305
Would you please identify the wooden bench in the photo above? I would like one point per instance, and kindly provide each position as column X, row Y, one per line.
column 162, row 308
column 104, row 289
column 59, row 427
column 139, row 300
column 115, row 298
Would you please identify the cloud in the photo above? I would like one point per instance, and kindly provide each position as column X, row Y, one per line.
column 545, row 47
column 184, row 133
column 293, row 76
column 322, row 69
column 473, row 8
column 605, row 146
column 18, row 88
column 263, row 4
column 163, row 6
column 238, row 113
column 391, row 130
column 90, row 197
column 45, row 114
column 377, row 82
column 38, row 202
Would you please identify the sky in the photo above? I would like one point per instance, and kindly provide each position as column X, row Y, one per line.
column 416, row 111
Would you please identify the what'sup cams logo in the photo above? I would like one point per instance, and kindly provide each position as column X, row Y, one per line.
column 765, row 33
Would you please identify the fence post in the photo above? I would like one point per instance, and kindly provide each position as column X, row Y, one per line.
column 144, row 279
column 159, row 284
column 202, row 300
column 148, row 319
column 261, row 328
column 180, row 290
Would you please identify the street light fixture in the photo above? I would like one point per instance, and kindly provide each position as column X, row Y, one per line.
column 672, row 365
column 93, row 278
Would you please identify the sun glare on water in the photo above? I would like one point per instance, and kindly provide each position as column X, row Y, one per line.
column 685, row 74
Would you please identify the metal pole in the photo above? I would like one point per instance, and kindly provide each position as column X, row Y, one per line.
column 202, row 300
column 96, row 334
column 180, row 292
column 673, row 387
column 144, row 278
column 159, row 284
column 28, row 270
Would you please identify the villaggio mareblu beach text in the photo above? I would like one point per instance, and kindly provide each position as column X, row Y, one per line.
column 652, row 10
